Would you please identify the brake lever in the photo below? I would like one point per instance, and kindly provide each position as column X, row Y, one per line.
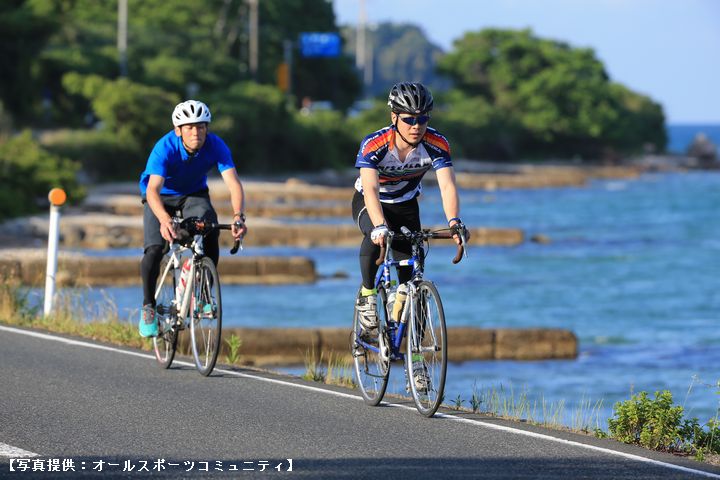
column 463, row 242
column 238, row 243
column 234, row 249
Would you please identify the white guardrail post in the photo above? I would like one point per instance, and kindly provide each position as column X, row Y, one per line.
column 57, row 198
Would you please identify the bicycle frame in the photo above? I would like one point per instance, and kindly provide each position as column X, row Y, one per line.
column 397, row 330
column 182, row 304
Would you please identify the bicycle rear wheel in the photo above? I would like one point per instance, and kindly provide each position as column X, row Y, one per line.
column 205, row 316
column 372, row 368
column 427, row 350
column 165, row 344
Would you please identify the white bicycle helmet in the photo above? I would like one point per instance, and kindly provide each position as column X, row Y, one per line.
column 190, row 111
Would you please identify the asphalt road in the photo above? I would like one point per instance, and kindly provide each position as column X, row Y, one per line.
column 112, row 412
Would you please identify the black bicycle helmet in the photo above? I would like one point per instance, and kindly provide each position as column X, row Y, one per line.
column 410, row 97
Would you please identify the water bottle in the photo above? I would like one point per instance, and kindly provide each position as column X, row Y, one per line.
column 390, row 302
column 182, row 282
column 399, row 303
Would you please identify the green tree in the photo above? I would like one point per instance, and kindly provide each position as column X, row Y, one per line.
column 332, row 79
column 553, row 99
column 133, row 111
column 23, row 34
column 256, row 123
column 187, row 48
column 28, row 172
column 134, row 115
column 266, row 135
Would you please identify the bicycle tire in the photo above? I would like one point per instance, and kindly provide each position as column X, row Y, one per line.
column 165, row 343
column 371, row 371
column 205, row 316
column 427, row 349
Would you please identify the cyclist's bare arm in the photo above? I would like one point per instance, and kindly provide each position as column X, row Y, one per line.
column 371, row 193
column 155, row 184
column 449, row 194
column 237, row 199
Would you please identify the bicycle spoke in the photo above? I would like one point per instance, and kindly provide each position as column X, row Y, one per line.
column 371, row 370
column 427, row 344
column 205, row 315
column 165, row 344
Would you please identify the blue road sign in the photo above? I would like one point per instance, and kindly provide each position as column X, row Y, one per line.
column 319, row 44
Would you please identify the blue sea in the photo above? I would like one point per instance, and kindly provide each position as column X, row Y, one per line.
column 632, row 268
column 681, row 136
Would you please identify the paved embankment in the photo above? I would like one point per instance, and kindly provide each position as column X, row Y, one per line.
column 288, row 346
column 103, row 231
column 105, row 410
column 111, row 215
column 29, row 267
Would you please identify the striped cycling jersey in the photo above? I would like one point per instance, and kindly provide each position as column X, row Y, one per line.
column 400, row 181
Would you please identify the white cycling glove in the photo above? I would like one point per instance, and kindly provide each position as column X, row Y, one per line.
column 378, row 231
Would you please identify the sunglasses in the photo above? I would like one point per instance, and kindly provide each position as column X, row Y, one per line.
column 420, row 120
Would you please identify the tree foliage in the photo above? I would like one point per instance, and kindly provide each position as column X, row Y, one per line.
column 136, row 113
column 259, row 126
column 499, row 93
column 28, row 172
column 23, row 34
column 551, row 98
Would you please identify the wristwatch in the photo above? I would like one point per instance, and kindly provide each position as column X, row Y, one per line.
column 241, row 215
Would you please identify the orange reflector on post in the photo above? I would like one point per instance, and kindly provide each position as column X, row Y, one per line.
column 57, row 196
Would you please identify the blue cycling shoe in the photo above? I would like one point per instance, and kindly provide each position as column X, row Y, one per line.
column 148, row 324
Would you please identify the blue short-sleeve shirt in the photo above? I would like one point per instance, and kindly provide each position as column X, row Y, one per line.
column 184, row 174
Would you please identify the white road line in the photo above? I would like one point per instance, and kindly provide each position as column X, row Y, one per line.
column 8, row 451
column 480, row 423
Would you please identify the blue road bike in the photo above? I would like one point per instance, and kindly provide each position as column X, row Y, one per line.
column 417, row 335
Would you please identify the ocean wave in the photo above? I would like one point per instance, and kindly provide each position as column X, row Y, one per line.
column 608, row 340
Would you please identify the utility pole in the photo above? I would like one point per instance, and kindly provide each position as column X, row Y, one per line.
column 253, row 43
column 360, row 38
column 122, row 36
column 369, row 54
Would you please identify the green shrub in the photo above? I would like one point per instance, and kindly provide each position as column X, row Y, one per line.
column 651, row 423
column 135, row 113
column 102, row 154
column 699, row 439
column 28, row 173
column 328, row 129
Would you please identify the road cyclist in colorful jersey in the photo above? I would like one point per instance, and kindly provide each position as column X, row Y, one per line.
column 175, row 179
column 392, row 162
column 412, row 312
column 188, row 294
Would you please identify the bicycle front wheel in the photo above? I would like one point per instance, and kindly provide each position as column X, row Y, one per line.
column 205, row 316
column 426, row 359
column 370, row 354
column 165, row 343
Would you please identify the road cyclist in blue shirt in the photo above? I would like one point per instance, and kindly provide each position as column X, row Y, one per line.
column 391, row 163
column 175, row 178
